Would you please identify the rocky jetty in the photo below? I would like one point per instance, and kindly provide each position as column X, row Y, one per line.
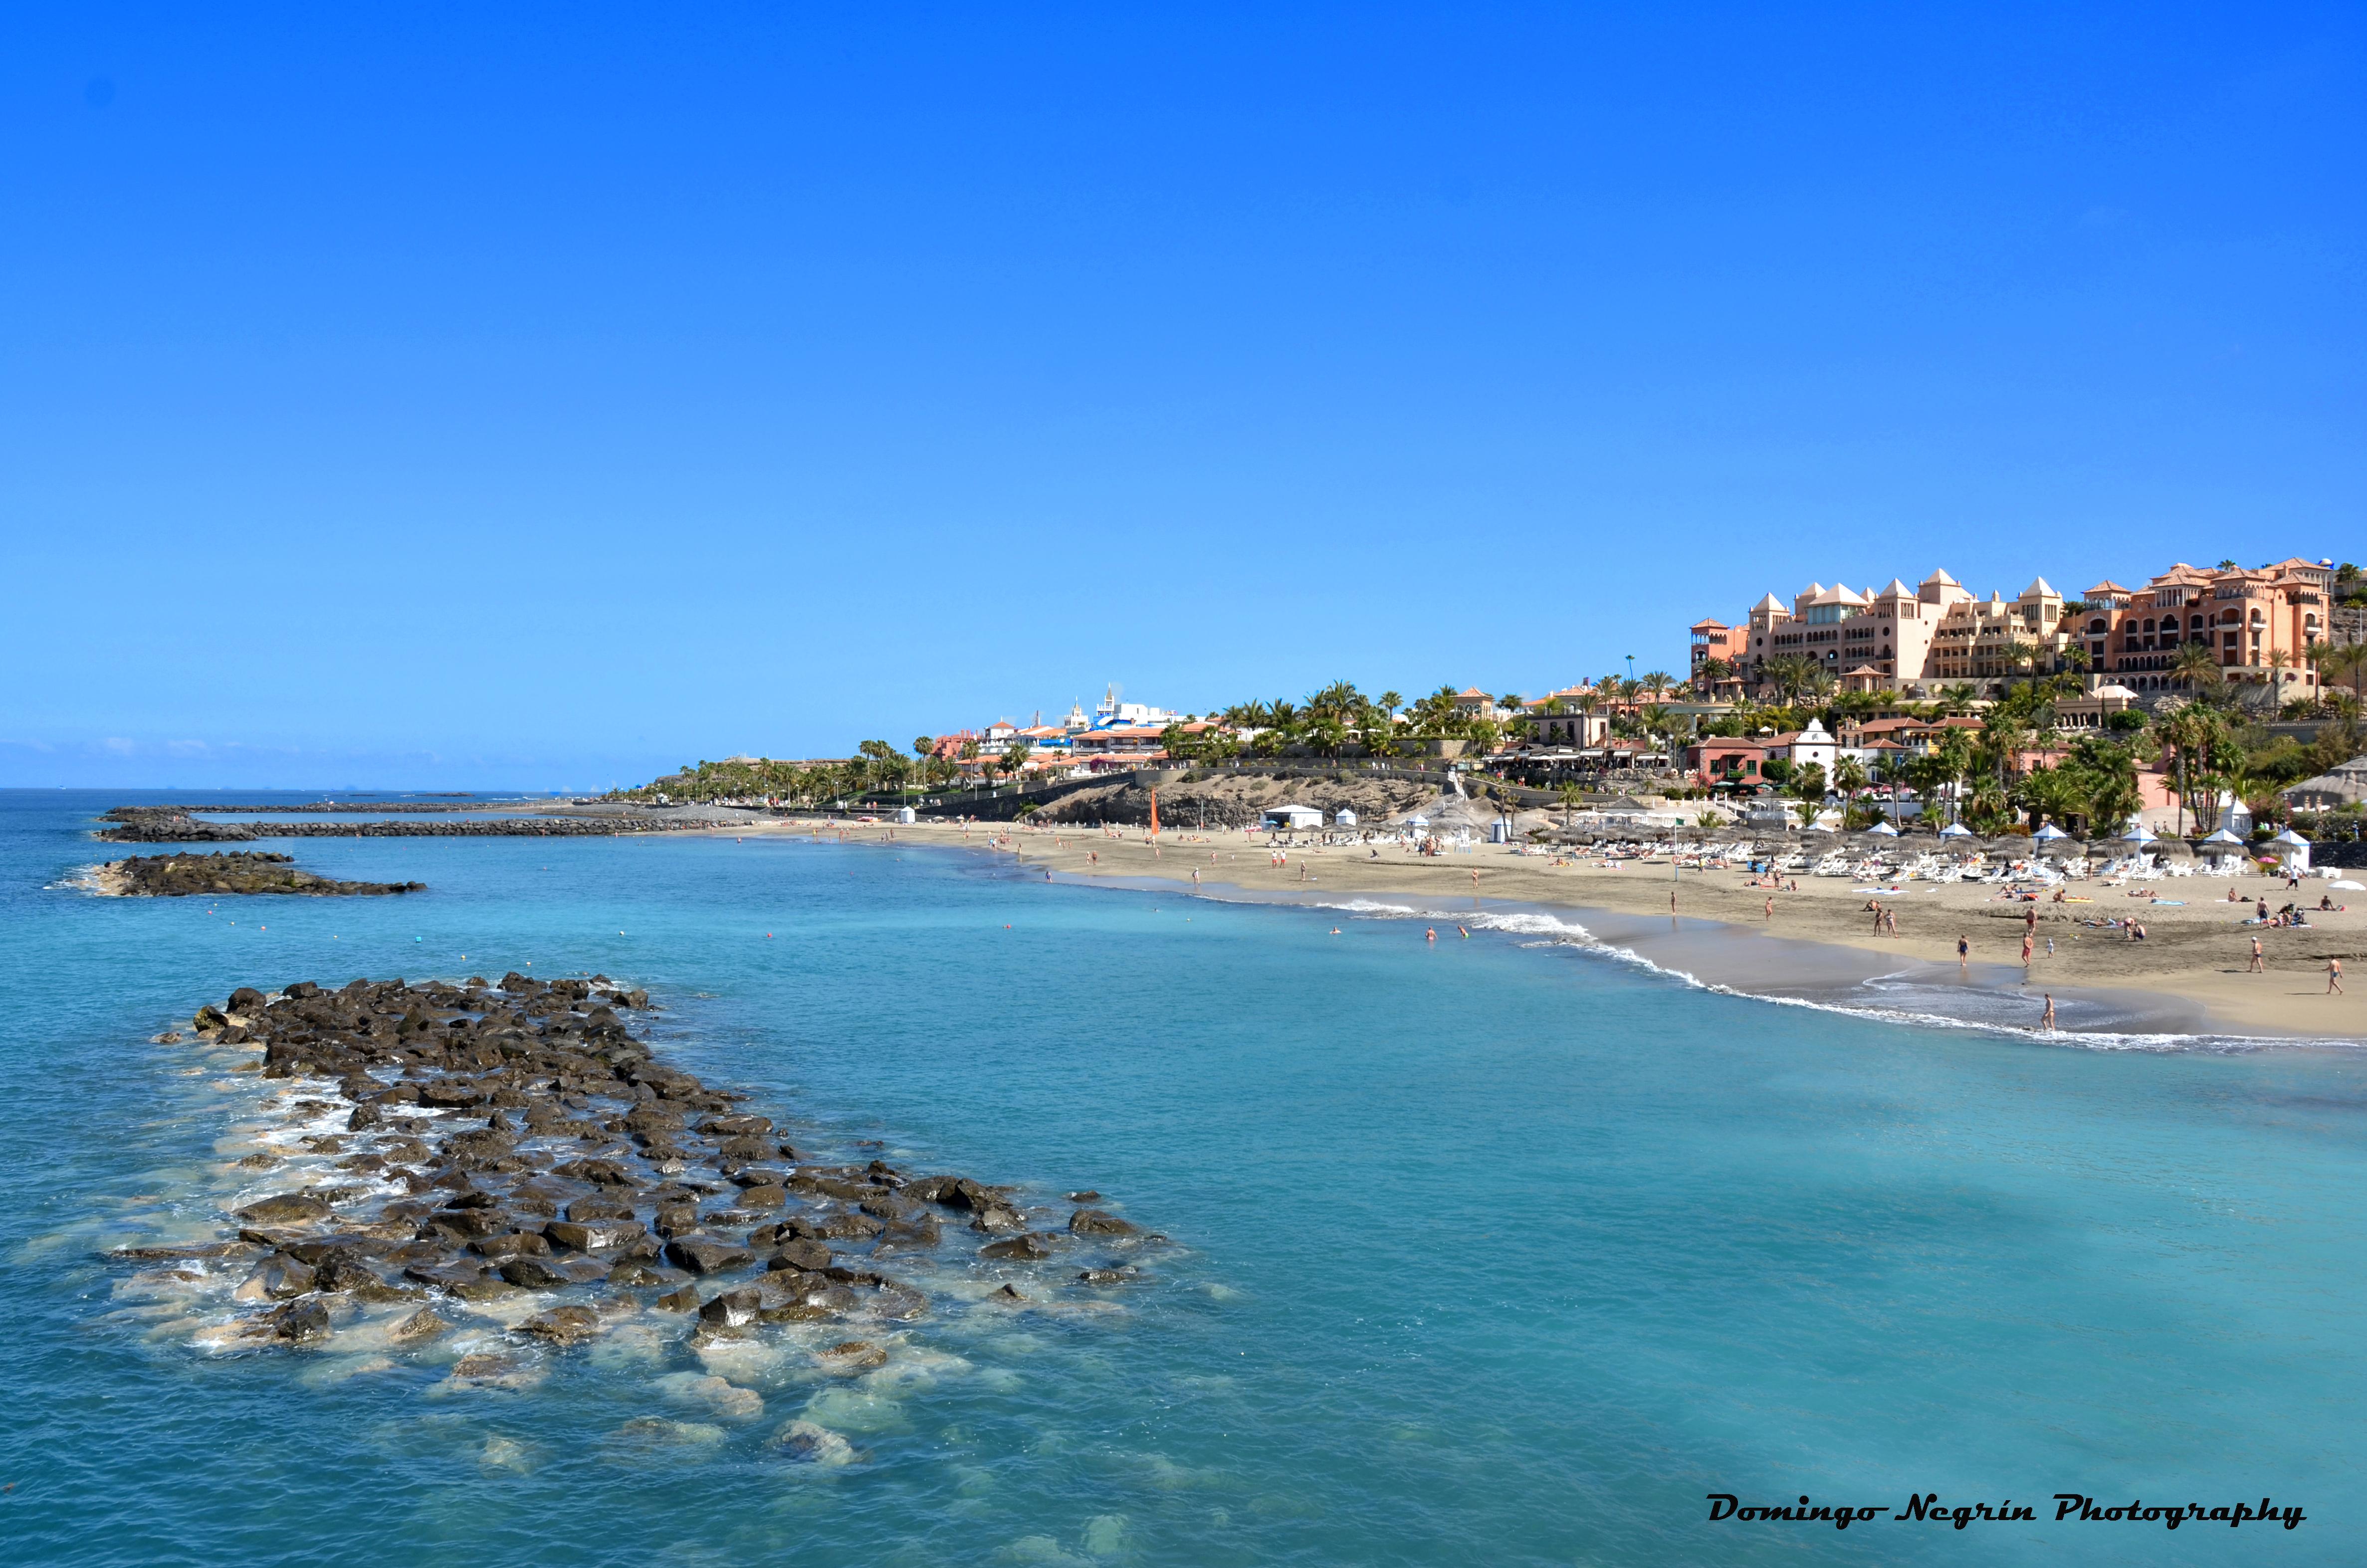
column 174, row 825
column 513, row 1151
column 238, row 871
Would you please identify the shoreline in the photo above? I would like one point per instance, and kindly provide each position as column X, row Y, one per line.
column 2186, row 980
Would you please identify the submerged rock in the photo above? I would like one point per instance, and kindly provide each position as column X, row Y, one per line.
column 806, row 1442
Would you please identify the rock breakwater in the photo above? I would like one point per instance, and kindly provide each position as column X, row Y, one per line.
column 183, row 876
column 146, row 824
column 473, row 1180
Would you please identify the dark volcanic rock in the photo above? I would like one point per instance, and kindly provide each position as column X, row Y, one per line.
column 706, row 1254
column 239, row 871
column 1030, row 1245
column 564, row 1325
column 301, row 1321
column 733, row 1309
column 1098, row 1222
column 472, row 1119
column 594, row 1235
column 286, row 1208
column 799, row 1254
column 533, row 1274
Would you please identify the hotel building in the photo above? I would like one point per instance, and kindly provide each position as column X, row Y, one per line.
column 2258, row 623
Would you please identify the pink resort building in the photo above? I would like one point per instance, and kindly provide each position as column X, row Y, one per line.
column 2258, row 624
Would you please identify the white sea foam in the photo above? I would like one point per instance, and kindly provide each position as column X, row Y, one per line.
column 1555, row 931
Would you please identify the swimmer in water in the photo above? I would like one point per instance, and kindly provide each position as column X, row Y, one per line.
column 1466, row 934
column 1430, row 933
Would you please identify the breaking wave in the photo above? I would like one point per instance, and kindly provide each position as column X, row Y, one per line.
column 1554, row 931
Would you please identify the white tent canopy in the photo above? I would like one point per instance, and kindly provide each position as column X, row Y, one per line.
column 1955, row 830
column 2224, row 836
column 1293, row 817
column 1885, row 829
column 2049, row 834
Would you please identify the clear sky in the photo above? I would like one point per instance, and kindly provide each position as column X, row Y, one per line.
column 548, row 395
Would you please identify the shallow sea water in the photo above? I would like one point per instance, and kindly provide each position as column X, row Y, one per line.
column 1490, row 1251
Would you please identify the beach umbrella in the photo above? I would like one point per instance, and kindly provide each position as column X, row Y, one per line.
column 1885, row 829
column 2137, row 834
column 2291, row 838
column 2224, row 836
column 2049, row 834
column 1955, row 830
column 2346, row 883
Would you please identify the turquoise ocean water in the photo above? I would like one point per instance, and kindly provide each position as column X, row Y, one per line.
column 1491, row 1252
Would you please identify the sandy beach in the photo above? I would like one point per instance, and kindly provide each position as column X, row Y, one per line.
column 2188, row 976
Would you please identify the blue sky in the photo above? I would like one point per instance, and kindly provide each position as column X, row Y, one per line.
column 544, row 396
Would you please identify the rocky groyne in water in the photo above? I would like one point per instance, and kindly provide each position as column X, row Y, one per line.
column 510, row 1168
column 156, row 824
column 186, row 875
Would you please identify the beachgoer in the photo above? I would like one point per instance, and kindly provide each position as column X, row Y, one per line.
column 1430, row 933
column 2046, row 1019
column 2333, row 977
column 2259, row 965
column 1467, row 935
column 2026, row 945
column 1770, row 908
column 1964, row 951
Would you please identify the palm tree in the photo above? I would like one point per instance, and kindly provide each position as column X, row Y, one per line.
column 2197, row 735
column 2196, row 664
column 1789, row 674
column 1848, row 777
column 1569, row 795
column 1658, row 683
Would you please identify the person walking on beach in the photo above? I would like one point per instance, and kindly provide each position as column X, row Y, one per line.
column 2046, row 1019
column 2258, row 966
column 1195, row 876
column 1963, row 953
column 1770, row 907
column 2026, row 945
column 2333, row 977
